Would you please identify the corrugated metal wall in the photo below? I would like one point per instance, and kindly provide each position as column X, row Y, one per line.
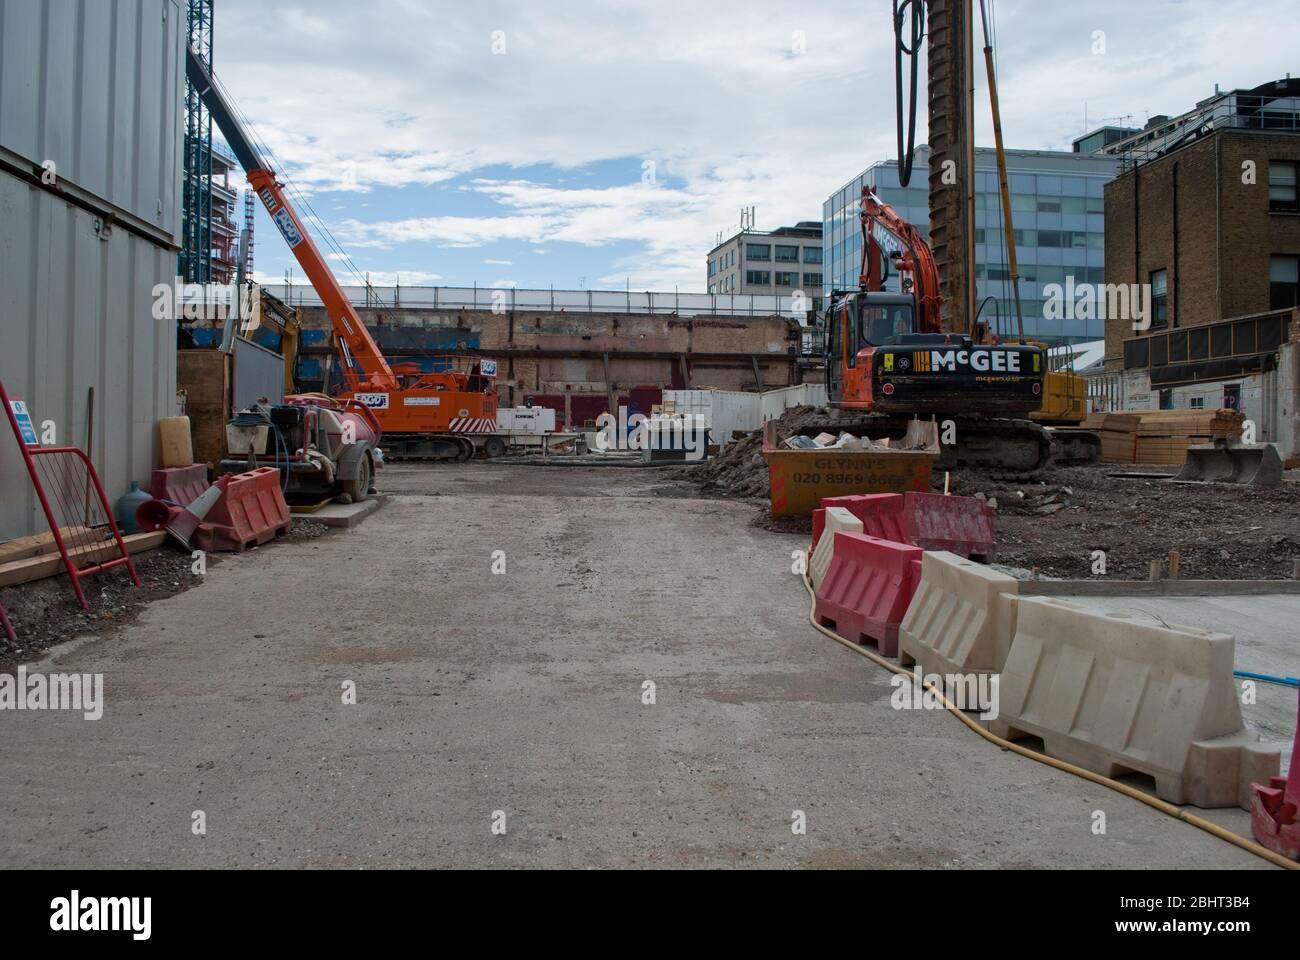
column 96, row 87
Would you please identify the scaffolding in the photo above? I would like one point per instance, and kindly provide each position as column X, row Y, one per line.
column 195, row 264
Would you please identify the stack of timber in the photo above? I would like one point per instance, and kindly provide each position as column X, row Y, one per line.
column 1160, row 437
column 37, row 557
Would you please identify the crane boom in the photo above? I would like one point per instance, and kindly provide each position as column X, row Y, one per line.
column 364, row 365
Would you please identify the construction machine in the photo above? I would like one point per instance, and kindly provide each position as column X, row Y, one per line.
column 922, row 352
column 1065, row 408
column 888, row 356
column 444, row 414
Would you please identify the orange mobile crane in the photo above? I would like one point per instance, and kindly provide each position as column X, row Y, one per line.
column 437, row 415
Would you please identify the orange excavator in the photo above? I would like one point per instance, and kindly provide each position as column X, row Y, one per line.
column 888, row 357
column 447, row 414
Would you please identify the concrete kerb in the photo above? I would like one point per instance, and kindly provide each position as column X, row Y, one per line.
column 1157, row 588
column 1115, row 695
column 962, row 619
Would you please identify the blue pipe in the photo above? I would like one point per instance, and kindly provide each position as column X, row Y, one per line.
column 1264, row 677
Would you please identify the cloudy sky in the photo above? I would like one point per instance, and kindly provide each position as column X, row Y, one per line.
column 597, row 143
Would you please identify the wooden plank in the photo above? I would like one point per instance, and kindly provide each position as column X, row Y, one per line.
column 48, row 565
column 33, row 546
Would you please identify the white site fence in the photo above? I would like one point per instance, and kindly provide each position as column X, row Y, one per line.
column 795, row 307
column 726, row 412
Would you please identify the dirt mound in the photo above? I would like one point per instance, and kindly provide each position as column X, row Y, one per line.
column 740, row 472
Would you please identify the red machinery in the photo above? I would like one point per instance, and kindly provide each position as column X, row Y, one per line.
column 423, row 414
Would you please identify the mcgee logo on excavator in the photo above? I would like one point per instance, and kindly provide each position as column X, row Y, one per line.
column 981, row 361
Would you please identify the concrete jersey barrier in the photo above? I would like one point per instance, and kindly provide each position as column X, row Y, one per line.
column 1114, row 694
column 962, row 618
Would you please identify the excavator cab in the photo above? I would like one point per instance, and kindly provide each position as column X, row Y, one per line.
column 885, row 317
column 857, row 325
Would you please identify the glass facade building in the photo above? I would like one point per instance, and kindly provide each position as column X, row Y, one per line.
column 1059, row 213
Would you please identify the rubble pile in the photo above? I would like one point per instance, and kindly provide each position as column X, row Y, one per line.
column 740, row 471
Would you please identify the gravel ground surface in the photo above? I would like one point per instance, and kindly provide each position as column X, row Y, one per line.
column 520, row 700
column 46, row 612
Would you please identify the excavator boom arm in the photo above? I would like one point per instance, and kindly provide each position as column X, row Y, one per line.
column 917, row 259
column 364, row 365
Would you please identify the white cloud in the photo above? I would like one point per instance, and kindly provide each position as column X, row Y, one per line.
column 375, row 95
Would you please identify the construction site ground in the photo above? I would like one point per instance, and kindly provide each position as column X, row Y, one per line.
column 522, row 695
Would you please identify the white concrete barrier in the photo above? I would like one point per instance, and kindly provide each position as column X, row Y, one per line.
column 838, row 520
column 1118, row 693
column 962, row 618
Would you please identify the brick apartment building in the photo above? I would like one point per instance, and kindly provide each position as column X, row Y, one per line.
column 1206, row 211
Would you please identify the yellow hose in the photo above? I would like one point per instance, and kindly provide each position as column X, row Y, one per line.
column 1250, row 846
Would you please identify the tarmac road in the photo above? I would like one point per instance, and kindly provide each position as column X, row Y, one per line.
column 517, row 700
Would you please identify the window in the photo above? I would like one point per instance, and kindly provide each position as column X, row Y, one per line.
column 812, row 279
column 713, row 268
column 758, row 278
column 1284, row 282
column 758, row 251
column 1049, row 238
column 1282, row 196
column 812, row 254
column 787, row 279
column 1049, row 206
column 1160, row 301
column 1196, row 403
column 1166, row 399
column 1232, row 396
column 786, row 254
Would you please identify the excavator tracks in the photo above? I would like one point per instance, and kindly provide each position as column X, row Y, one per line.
column 1002, row 449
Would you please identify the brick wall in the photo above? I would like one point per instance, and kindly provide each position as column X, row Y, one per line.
column 645, row 349
column 1225, row 232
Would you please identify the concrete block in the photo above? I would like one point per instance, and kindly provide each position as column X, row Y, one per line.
column 1115, row 694
column 868, row 588
column 962, row 619
column 345, row 515
column 837, row 521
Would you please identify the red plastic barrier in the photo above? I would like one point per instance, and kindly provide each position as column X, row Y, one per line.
column 1274, row 815
column 251, row 510
column 960, row 525
column 819, row 525
column 180, row 485
column 868, row 588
